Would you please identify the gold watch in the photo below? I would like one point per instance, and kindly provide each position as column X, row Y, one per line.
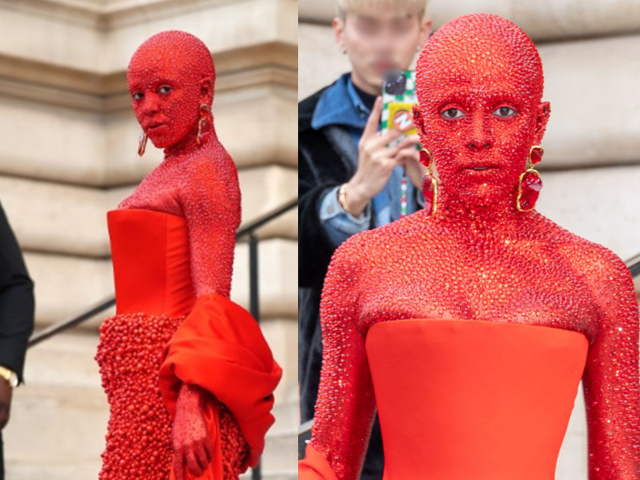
column 9, row 376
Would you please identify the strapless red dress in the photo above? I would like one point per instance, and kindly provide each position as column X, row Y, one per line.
column 466, row 399
column 161, row 336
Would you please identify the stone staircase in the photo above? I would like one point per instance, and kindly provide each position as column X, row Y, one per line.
column 59, row 417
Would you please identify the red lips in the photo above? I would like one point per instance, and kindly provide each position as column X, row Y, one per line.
column 480, row 168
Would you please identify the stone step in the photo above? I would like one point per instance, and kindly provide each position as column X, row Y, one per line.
column 287, row 415
column 100, row 149
column 281, row 453
column 89, row 471
column 71, row 220
column 273, row 475
column 66, row 286
column 72, row 455
column 537, row 19
column 56, row 422
column 97, row 37
column 59, row 417
column 67, row 360
column 52, row 470
column 73, row 352
column 63, row 428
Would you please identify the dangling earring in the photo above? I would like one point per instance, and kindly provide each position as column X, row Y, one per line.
column 530, row 183
column 429, row 183
column 202, row 124
column 142, row 143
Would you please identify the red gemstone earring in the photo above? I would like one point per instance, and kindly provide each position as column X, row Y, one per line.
column 429, row 183
column 142, row 143
column 530, row 183
column 203, row 126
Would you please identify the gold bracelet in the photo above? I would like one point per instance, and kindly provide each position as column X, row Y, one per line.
column 10, row 376
column 342, row 199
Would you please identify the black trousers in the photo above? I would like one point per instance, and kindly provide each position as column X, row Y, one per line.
column 1, row 458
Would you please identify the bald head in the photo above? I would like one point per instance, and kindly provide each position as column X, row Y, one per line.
column 482, row 51
column 479, row 83
column 173, row 52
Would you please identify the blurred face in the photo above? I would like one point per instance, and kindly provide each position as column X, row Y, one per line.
column 480, row 110
column 380, row 40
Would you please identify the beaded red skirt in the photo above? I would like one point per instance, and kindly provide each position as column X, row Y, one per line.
column 138, row 440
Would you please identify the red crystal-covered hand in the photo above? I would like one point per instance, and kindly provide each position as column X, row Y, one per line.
column 192, row 443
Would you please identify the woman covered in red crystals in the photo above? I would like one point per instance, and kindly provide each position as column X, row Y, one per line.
column 469, row 325
column 187, row 372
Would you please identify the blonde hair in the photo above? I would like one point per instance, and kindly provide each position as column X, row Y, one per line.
column 417, row 7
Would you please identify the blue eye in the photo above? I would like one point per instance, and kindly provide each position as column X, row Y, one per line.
column 164, row 89
column 453, row 113
column 137, row 96
column 504, row 112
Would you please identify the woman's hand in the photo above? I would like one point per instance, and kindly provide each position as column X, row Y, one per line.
column 192, row 445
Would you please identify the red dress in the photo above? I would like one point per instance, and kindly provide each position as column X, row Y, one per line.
column 172, row 245
column 472, row 347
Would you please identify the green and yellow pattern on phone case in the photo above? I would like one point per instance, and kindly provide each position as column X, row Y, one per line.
column 397, row 108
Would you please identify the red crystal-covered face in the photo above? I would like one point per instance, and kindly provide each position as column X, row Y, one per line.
column 479, row 84
column 170, row 77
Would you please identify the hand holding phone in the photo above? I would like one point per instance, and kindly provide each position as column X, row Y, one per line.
column 399, row 96
column 376, row 161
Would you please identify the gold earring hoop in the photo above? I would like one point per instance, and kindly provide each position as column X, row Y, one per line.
column 429, row 183
column 142, row 143
column 203, row 118
column 530, row 182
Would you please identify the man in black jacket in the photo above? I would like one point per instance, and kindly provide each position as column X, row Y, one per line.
column 349, row 179
column 16, row 320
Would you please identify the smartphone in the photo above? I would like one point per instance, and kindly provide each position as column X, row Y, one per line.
column 398, row 97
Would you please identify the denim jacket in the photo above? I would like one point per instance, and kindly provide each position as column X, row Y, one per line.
column 340, row 105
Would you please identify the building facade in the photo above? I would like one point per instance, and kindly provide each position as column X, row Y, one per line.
column 68, row 154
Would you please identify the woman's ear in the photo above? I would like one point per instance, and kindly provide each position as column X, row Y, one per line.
column 418, row 121
column 206, row 91
column 542, row 118
column 417, row 117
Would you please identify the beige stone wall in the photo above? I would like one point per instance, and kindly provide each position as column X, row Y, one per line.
column 68, row 155
column 591, row 55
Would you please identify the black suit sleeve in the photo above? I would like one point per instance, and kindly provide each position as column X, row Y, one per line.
column 315, row 248
column 16, row 301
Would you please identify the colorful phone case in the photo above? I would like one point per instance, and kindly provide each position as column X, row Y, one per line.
column 399, row 96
